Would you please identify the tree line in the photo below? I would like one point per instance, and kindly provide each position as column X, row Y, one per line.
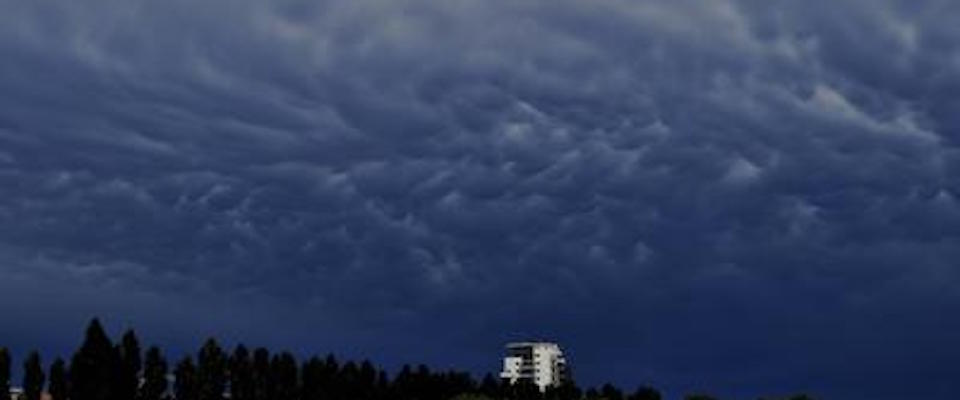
column 102, row 370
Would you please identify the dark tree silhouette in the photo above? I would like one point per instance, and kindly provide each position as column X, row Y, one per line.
column 185, row 386
column 313, row 379
column 101, row 371
column 453, row 383
column 33, row 377
column 366, row 381
column 552, row 393
column 405, row 384
column 645, row 393
column 94, row 367
column 4, row 374
column 490, row 386
column 566, row 391
column 383, row 386
column 241, row 374
column 422, row 380
column 699, row 396
column 130, row 363
column 261, row 374
column 349, row 380
column 570, row 391
column 525, row 389
column 285, row 377
column 155, row 383
column 211, row 371
column 58, row 380
column 331, row 378
column 610, row 392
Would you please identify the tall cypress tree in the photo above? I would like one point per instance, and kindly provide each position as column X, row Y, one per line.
column 383, row 386
column 4, row 374
column 130, row 365
column 332, row 387
column 262, row 387
column 347, row 379
column 367, row 382
column 95, row 367
column 241, row 374
column 154, row 376
column 185, row 386
column 284, row 376
column 311, row 376
column 33, row 377
column 58, row 380
column 211, row 371
column 402, row 387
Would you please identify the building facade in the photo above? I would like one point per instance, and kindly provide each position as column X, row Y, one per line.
column 541, row 363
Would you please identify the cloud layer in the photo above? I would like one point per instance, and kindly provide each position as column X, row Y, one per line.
column 735, row 196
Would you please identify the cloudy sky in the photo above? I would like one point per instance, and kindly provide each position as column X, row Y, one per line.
column 739, row 197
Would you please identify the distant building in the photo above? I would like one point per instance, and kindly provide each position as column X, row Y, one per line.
column 541, row 363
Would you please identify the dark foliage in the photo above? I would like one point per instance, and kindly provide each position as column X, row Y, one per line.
column 241, row 374
column 313, row 376
column 261, row 375
column 645, row 393
column 565, row 391
column 33, row 377
column 4, row 373
column 130, row 363
column 610, row 392
column 211, row 371
column 95, row 367
column 101, row 371
column 524, row 390
column 285, row 382
column 490, row 386
column 58, row 380
column 186, row 385
column 154, row 376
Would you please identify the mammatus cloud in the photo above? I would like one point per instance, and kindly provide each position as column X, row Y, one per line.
column 734, row 186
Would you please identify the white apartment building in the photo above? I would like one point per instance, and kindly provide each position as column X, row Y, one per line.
column 539, row 362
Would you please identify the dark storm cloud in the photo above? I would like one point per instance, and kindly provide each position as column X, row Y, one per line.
column 722, row 186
